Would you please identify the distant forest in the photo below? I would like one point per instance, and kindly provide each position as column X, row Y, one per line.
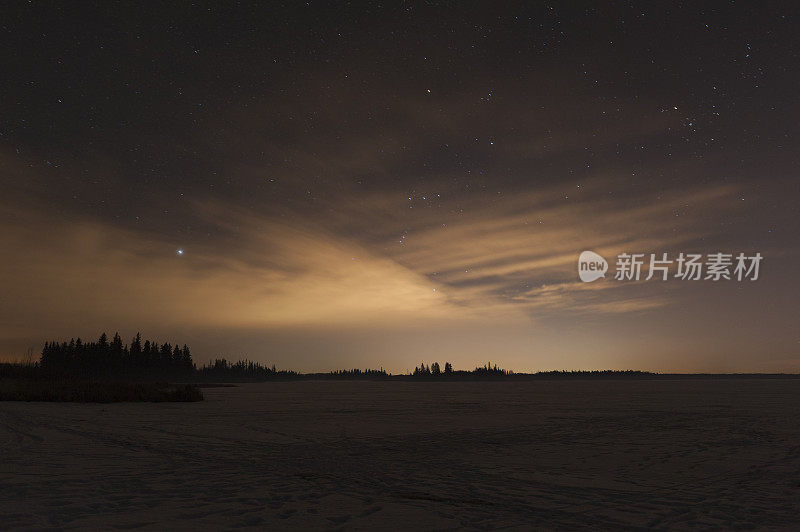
column 114, row 357
column 151, row 360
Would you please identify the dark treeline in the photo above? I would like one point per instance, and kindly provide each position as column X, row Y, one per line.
column 243, row 370
column 150, row 360
column 434, row 370
column 357, row 374
column 139, row 360
column 489, row 371
column 113, row 358
column 596, row 373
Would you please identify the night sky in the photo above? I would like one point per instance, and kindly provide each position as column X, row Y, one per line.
column 325, row 186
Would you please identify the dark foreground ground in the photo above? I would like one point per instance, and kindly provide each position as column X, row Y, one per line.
column 404, row 455
column 83, row 391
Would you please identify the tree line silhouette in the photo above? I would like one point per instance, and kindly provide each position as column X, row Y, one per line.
column 242, row 370
column 434, row 370
column 153, row 360
column 357, row 373
column 105, row 357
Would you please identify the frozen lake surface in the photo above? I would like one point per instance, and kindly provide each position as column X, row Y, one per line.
column 411, row 455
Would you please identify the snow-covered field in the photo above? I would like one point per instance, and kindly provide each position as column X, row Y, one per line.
column 389, row 455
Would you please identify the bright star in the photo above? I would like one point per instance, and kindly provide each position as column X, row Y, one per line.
column 179, row 251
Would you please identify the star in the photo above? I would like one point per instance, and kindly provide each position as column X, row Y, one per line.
column 179, row 251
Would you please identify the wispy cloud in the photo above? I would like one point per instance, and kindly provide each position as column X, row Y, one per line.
column 514, row 260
